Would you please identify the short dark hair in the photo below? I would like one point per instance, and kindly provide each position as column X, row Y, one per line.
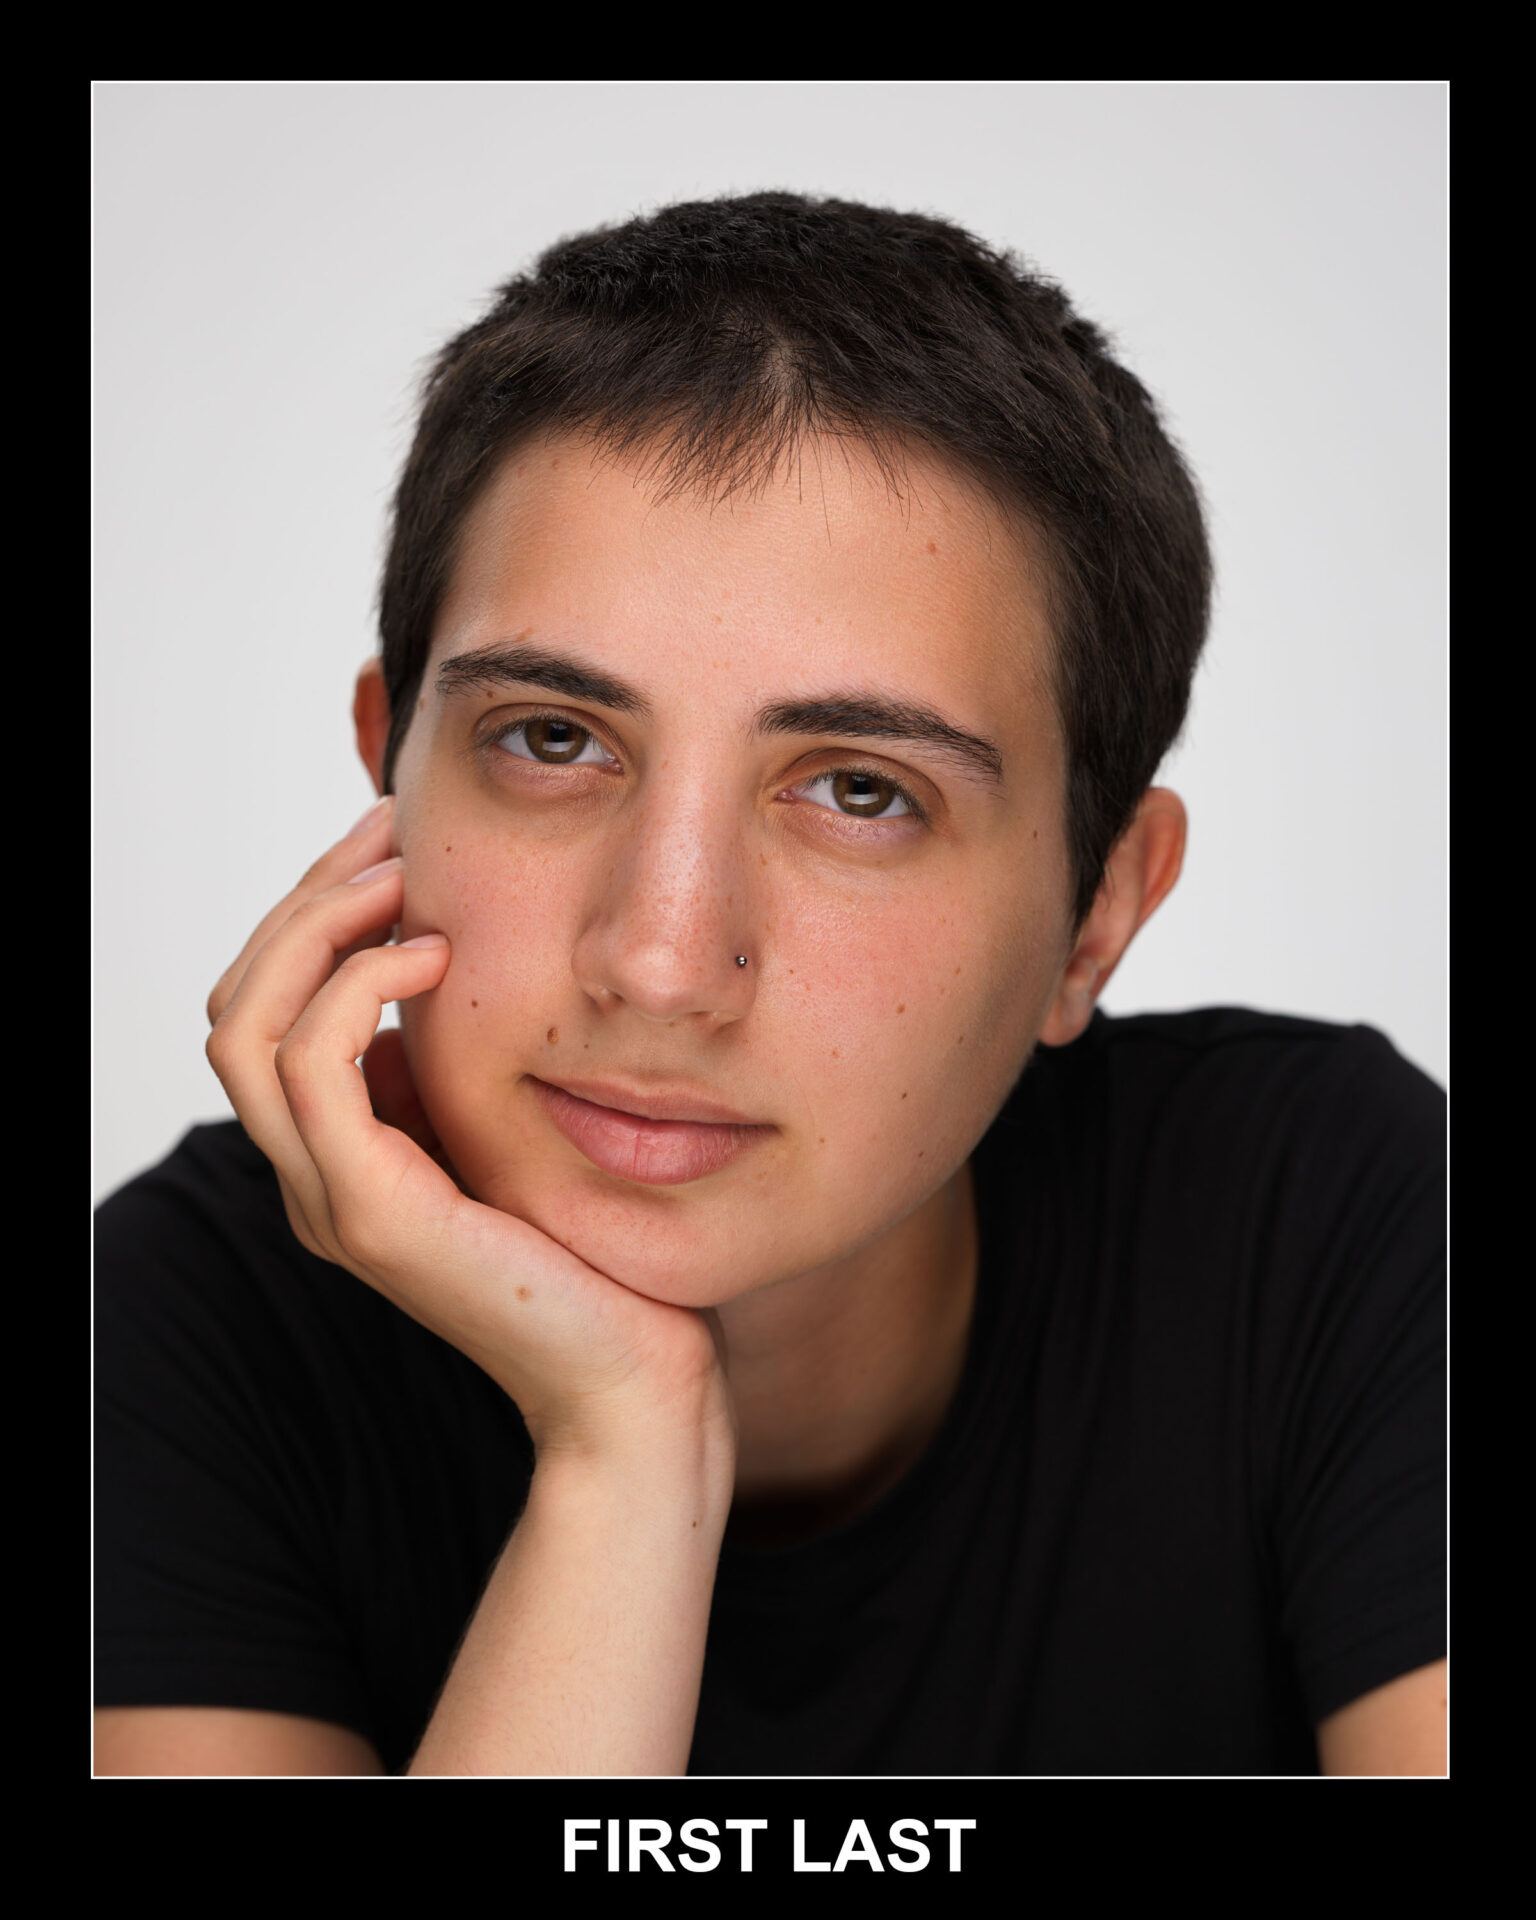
column 719, row 333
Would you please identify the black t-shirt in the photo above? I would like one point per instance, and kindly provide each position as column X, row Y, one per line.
column 1187, row 1501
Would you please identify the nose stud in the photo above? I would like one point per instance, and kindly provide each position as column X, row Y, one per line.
column 741, row 959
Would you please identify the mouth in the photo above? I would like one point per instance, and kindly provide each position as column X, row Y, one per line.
column 656, row 1151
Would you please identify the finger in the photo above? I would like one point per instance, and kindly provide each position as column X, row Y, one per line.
column 286, row 973
column 270, row 1127
column 362, row 847
column 379, row 937
column 278, row 985
column 361, row 1161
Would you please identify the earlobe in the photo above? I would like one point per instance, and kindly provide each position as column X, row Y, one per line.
column 1077, row 995
column 1139, row 875
column 370, row 719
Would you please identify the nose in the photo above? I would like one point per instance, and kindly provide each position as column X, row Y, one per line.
column 669, row 928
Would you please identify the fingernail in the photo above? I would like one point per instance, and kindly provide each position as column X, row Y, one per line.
column 427, row 940
column 373, row 873
column 369, row 817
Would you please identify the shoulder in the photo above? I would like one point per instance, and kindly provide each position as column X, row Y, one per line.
column 211, row 1205
column 1285, row 1096
column 199, row 1278
column 1253, row 1210
column 212, row 1184
column 1258, row 1051
column 1244, row 1165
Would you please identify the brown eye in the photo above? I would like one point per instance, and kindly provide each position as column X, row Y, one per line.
column 547, row 738
column 861, row 794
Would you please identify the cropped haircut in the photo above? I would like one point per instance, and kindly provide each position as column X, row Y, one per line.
column 717, row 336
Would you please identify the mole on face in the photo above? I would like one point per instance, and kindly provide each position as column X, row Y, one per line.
column 553, row 1035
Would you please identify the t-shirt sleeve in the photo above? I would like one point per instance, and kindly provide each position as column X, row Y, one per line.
column 1352, row 1390
column 213, row 1582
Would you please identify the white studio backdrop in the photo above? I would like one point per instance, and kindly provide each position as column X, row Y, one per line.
column 276, row 262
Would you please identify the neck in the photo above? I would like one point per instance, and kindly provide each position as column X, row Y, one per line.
column 842, row 1376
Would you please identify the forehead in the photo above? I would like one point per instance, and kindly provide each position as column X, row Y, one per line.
column 831, row 568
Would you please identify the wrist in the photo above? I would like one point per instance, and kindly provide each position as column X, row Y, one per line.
column 687, row 1444
column 682, row 1479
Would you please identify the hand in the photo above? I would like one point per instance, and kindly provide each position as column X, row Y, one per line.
column 589, row 1362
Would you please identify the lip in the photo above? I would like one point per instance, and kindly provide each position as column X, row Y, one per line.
column 654, row 1147
column 678, row 1103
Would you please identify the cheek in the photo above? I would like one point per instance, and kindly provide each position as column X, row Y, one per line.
column 505, row 915
column 908, row 1018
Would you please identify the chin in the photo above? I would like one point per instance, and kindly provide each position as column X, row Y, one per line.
column 692, row 1245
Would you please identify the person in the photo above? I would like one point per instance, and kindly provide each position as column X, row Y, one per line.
column 757, row 1313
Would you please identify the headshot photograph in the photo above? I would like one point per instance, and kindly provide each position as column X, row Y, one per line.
column 770, row 789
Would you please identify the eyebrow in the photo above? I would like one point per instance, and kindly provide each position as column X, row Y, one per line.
column 856, row 712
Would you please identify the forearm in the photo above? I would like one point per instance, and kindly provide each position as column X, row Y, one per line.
column 586, row 1651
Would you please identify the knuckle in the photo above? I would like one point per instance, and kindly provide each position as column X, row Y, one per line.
column 224, row 989
column 361, row 965
column 216, row 1047
column 293, row 1061
column 307, row 912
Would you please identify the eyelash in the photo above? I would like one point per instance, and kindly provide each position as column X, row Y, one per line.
column 914, row 806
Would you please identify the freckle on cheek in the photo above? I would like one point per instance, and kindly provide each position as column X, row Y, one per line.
column 553, row 1035
column 474, row 1003
column 902, row 1008
column 522, row 1293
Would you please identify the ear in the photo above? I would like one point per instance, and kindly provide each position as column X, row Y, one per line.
column 1142, row 868
column 370, row 719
